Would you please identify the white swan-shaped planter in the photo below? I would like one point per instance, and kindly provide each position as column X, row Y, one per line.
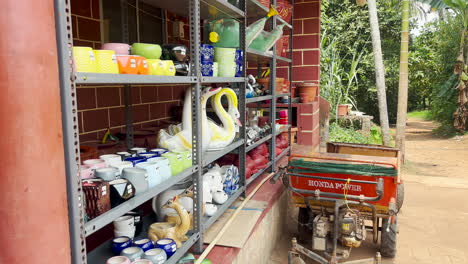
column 179, row 138
column 222, row 136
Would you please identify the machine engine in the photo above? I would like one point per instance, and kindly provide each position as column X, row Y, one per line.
column 351, row 230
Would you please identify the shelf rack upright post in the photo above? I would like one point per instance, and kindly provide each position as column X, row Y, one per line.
column 194, row 20
column 71, row 143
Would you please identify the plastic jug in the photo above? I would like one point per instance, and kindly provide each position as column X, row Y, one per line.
column 265, row 40
column 224, row 33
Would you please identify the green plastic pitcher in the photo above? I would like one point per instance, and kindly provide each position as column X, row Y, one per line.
column 227, row 33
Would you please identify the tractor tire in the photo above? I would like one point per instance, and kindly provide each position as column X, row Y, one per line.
column 400, row 195
column 388, row 240
column 304, row 232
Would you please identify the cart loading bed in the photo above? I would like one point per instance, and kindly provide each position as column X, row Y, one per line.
column 337, row 195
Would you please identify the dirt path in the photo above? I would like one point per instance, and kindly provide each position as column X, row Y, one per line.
column 435, row 214
column 434, row 218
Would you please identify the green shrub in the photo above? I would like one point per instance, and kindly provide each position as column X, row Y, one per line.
column 346, row 135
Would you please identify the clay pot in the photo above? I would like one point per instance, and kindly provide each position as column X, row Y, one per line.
column 343, row 110
column 293, row 92
column 305, row 98
column 310, row 89
column 265, row 82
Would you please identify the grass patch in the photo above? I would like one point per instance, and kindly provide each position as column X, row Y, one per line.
column 424, row 115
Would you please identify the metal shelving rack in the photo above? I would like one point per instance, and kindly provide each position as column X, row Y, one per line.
column 195, row 10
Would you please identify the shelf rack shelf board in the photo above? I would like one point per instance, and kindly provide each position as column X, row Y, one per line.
column 107, row 78
column 258, row 143
column 263, row 57
column 101, row 221
column 209, row 9
column 210, row 156
column 258, row 99
column 260, row 172
column 208, row 221
column 258, row 56
column 284, row 153
column 283, row 94
column 222, row 79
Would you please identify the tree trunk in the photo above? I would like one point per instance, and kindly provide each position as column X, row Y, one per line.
column 379, row 70
column 403, row 85
column 461, row 114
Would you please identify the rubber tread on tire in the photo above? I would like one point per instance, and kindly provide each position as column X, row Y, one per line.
column 388, row 240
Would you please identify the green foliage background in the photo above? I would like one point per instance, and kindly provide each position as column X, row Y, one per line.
column 347, row 61
column 432, row 60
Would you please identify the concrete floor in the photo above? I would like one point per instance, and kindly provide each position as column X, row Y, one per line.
column 434, row 218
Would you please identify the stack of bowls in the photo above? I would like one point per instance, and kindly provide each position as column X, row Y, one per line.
column 226, row 59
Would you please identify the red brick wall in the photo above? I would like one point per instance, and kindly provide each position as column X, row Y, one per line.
column 100, row 107
column 306, row 64
column 306, row 39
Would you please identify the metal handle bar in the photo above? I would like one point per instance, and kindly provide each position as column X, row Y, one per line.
column 339, row 159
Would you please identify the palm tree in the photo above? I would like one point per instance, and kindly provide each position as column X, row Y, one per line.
column 403, row 83
column 379, row 71
column 460, row 8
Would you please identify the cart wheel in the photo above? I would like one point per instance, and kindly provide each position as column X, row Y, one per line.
column 305, row 233
column 400, row 195
column 388, row 240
